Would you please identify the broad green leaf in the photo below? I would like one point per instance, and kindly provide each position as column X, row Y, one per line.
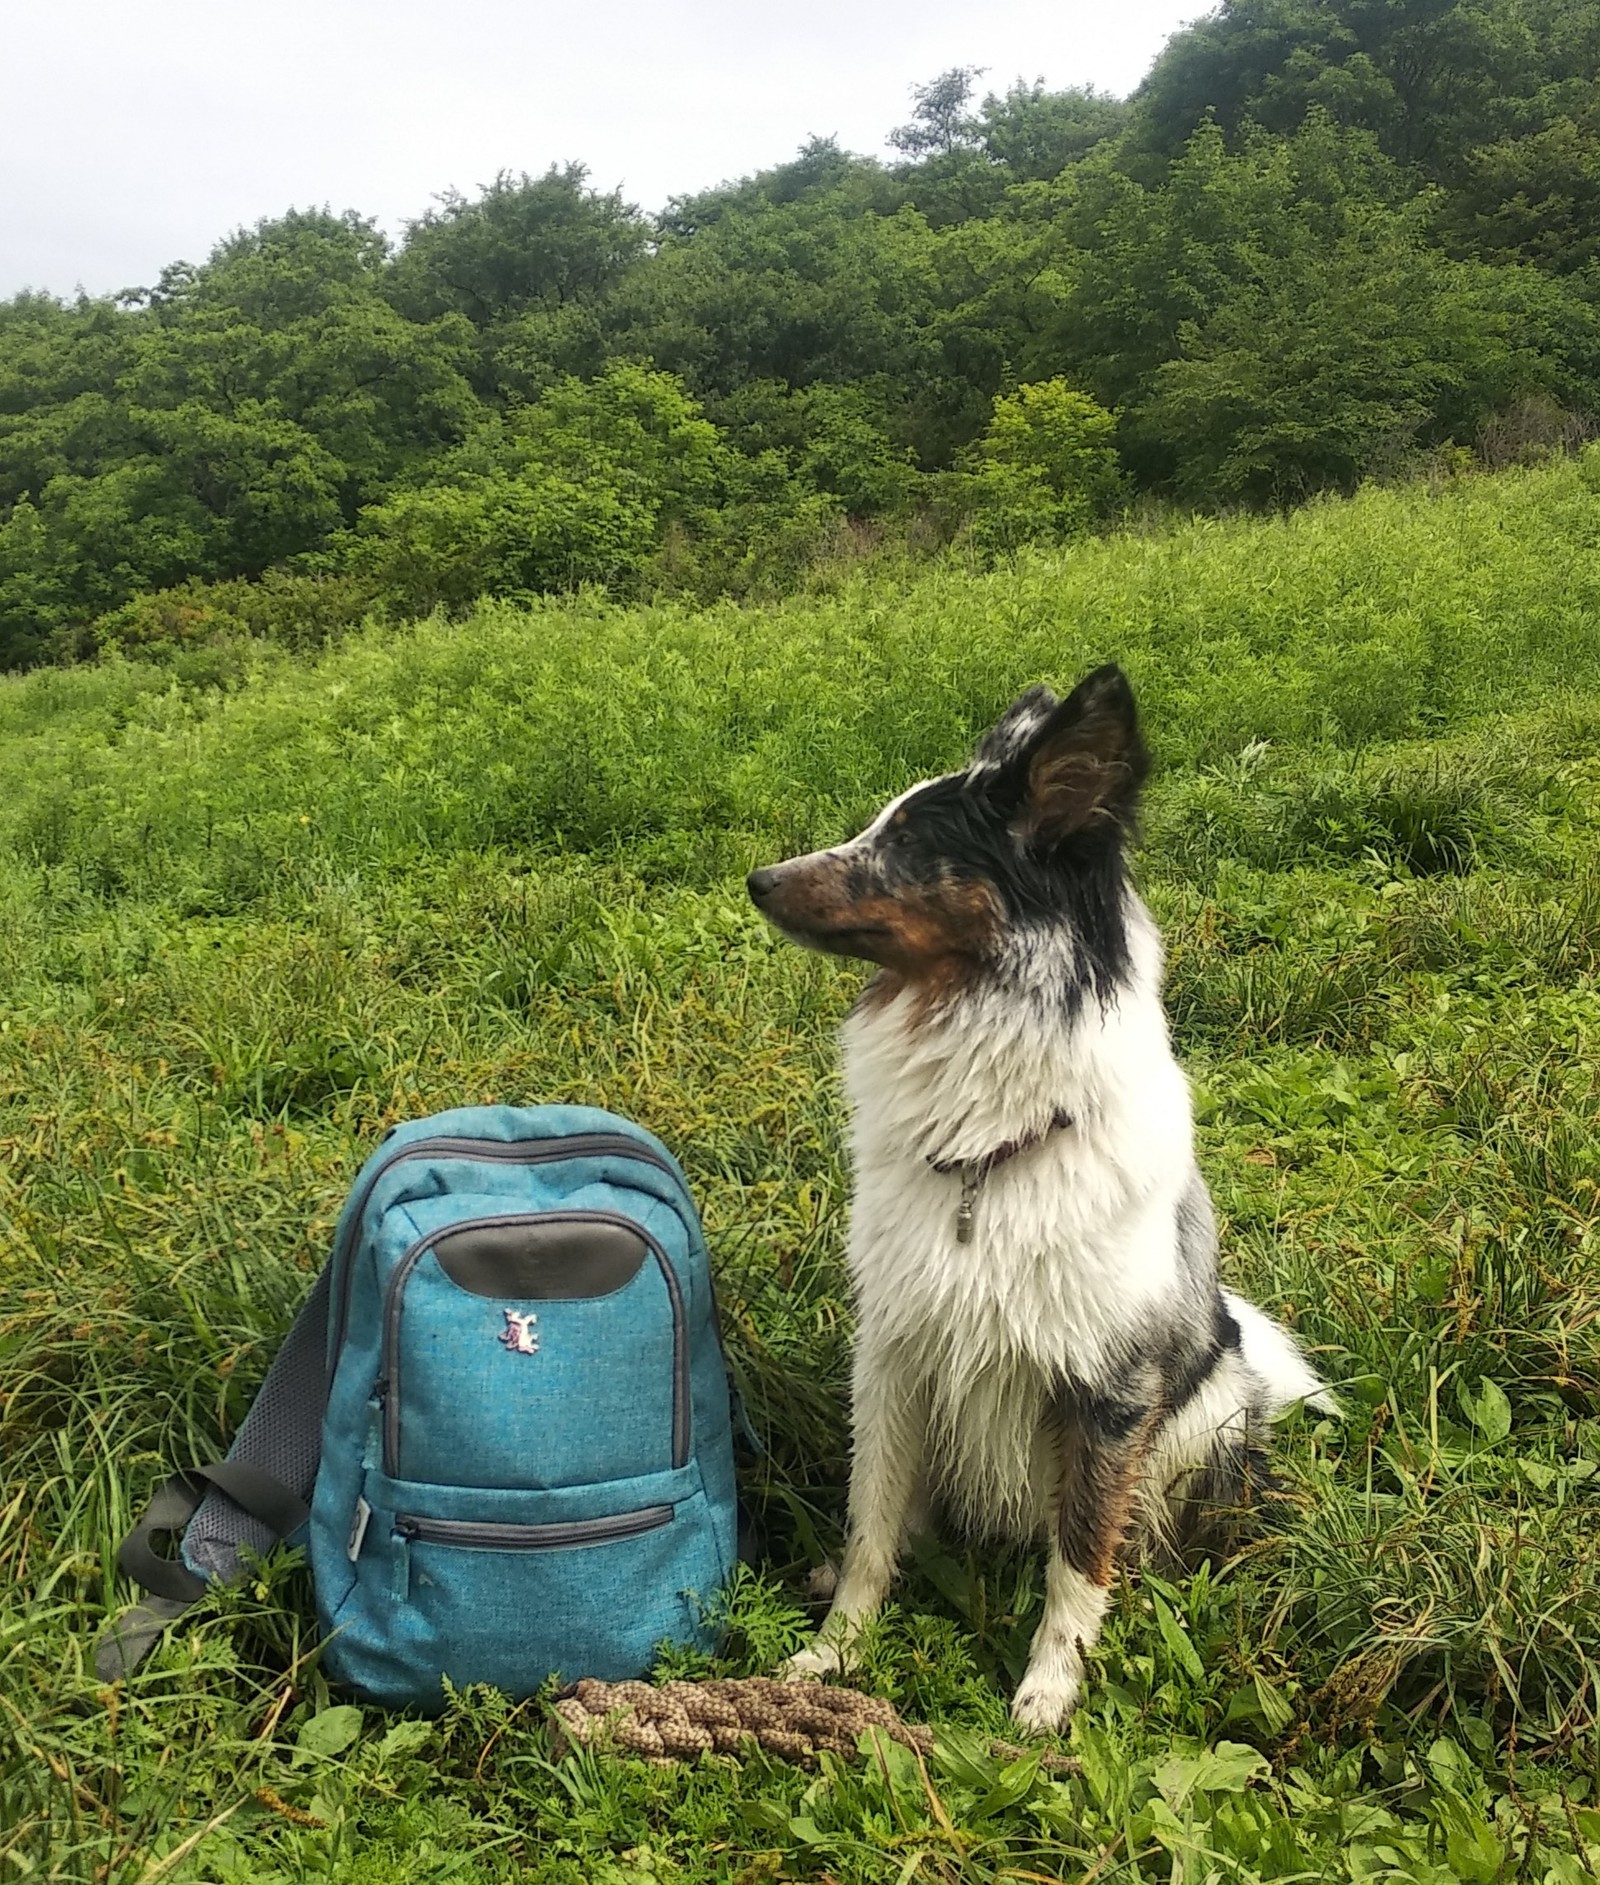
column 1472, row 1848
column 1105, row 1775
column 1177, row 1641
column 1488, row 1409
column 1431, row 1277
column 889, row 1758
column 964, row 1757
column 329, row 1733
column 1015, row 1783
column 1229, row 1767
column 1258, row 1701
column 405, row 1737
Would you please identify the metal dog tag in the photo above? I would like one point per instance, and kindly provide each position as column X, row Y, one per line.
column 971, row 1178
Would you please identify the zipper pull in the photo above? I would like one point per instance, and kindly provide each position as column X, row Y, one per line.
column 358, row 1530
column 400, row 1588
column 971, row 1178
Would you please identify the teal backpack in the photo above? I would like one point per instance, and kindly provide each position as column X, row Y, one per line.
column 501, row 1425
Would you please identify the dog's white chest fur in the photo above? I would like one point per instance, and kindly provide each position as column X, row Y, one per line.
column 1072, row 1242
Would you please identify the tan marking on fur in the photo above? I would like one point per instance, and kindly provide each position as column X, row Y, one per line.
column 936, row 985
column 1075, row 773
column 930, row 925
column 1099, row 1495
column 924, row 929
column 1067, row 791
column 881, row 990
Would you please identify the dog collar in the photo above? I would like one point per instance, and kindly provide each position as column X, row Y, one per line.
column 975, row 1170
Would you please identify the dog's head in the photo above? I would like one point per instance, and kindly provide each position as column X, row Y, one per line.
column 1029, row 835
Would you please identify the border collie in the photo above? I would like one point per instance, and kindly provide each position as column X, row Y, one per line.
column 1042, row 1343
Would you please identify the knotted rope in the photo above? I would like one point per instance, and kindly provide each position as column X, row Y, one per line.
column 795, row 1720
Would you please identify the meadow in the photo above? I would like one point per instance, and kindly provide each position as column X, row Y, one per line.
column 255, row 906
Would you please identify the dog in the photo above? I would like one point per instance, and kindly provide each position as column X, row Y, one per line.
column 1043, row 1345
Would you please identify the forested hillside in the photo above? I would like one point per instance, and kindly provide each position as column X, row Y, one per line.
column 1325, row 240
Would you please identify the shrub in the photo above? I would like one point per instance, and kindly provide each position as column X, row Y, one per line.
column 620, row 482
column 1044, row 469
column 293, row 610
column 505, row 534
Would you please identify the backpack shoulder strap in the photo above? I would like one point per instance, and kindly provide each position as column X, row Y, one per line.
column 260, row 1494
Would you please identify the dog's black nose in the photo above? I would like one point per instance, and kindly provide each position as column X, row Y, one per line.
column 760, row 882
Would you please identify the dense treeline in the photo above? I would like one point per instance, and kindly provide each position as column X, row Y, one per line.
column 1326, row 237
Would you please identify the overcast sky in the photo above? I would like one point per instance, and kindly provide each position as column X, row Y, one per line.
column 137, row 132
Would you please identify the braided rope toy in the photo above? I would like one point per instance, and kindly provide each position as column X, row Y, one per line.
column 797, row 1721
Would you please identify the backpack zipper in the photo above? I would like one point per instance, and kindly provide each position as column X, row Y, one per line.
column 394, row 1302
column 508, row 1151
column 471, row 1536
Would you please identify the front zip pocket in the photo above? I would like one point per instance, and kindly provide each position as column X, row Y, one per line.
column 468, row 1535
column 524, row 1586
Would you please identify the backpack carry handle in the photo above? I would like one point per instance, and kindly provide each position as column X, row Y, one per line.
column 173, row 1587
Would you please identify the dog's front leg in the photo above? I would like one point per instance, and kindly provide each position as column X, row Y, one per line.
column 887, row 1499
column 1099, row 1443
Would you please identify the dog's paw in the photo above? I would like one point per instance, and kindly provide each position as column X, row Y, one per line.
column 822, row 1659
column 1043, row 1704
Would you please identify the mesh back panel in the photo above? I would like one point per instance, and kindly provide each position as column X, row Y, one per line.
column 282, row 1434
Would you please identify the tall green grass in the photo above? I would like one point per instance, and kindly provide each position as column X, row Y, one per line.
column 683, row 740
column 251, row 914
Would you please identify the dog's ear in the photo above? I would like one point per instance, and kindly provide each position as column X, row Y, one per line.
column 1085, row 763
column 1010, row 739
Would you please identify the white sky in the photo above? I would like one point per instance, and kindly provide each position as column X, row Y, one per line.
column 137, row 132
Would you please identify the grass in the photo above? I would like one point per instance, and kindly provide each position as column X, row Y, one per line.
column 252, row 911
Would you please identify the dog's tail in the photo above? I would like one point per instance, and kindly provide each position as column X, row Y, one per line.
column 1209, row 1463
column 1272, row 1356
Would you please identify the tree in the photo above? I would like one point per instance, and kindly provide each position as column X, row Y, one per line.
column 856, row 186
column 1144, row 263
column 504, row 534
column 1534, row 198
column 817, row 289
column 833, row 438
column 940, row 122
column 529, row 262
column 579, row 487
column 523, row 242
column 1035, row 134
column 1433, row 80
column 1342, row 362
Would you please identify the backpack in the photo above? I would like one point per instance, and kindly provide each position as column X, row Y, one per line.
column 501, row 1424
